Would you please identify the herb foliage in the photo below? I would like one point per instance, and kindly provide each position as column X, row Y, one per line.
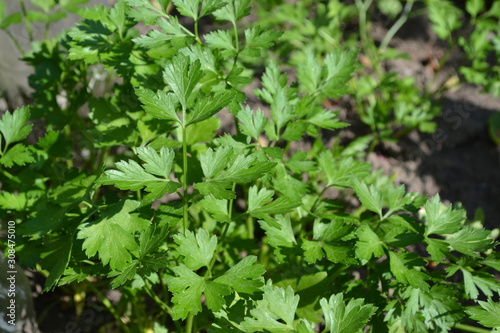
column 244, row 235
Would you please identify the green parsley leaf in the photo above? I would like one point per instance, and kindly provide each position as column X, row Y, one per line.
column 442, row 219
column 342, row 318
column 370, row 197
column 19, row 154
column 197, row 250
column 157, row 164
column 112, row 235
column 470, row 241
column 222, row 40
column 188, row 287
column 437, row 248
column 218, row 208
column 258, row 203
column 252, row 124
column 488, row 315
column 182, row 75
column 189, row 8
column 174, row 35
column 132, row 176
column 340, row 172
column 369, row 243
column 257, row 38
column 212, row 162
column 160, row 105
column 209, row 106
column 234, row 11
column 280, row 232
column 437, row 308
column 484, row 281
column 402, row 267
column 13, row 125
column 244, row 277
column 275, row 312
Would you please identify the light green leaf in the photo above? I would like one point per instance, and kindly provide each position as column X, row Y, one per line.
column 258, row 203
column 182, row 75
column 197, row 250
column 13, row 201
column 244, row 277
column 13, row 125
column 279, row 229
column 209, row 6
column 370, row 197
column 488, row 315
column 474, row 7
column 390, row 8
column 234, row 11
column 132, row 176
column 112, row 235
column 341, row 172
column 209, row 106
column 342, row 318
column 257, row 38
column 245, row 169
column 161, row 105
column 173, row 35
column 252, row 124
column 442, row 219
column 275, row 312
column 471, row 241
column 258, row 198
column 212, row 162
column 18, row 154
column 402, row 267
column 369, row 243
column 188, row 287
column 327, row 120
column 218, row 208
column 220, row 190
column 437, row 248
column 157, row 164
column 484, row 281
column 221, row 39
column 189, row 8
column 45, row 5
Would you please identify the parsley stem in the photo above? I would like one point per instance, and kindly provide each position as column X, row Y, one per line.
column 184, row 179
column 396, row 26
column 189, row 323
column 15, row 41
column 469, row 328
column 27, row 22
column 196, row 33
column 160, row 302
column 110, row 307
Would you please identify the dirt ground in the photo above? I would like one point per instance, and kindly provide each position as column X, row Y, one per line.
column 459, row 161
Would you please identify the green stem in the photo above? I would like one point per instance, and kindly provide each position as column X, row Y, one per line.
column 250, row 227
column 27, row 23
column 159, row 301
column 196, row 33
column 109, row 307
column 15, row 41
column 397, row 25
column 469, row 328
column 237, row 47
column 184, row 179
column 189, row 323
column 363, row 9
